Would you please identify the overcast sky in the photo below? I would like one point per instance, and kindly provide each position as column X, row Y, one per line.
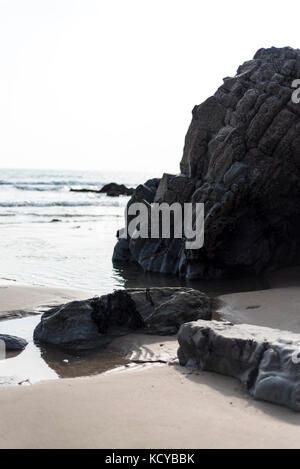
column 110, row 84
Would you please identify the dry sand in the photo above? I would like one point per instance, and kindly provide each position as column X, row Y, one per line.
column 150, row 406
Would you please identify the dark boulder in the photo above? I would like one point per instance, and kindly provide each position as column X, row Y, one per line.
column 241, row 159
column 70, row 326
column 93, row 323
column 143, row 193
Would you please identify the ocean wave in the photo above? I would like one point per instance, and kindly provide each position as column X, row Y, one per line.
column 56, row 204
column 62, row 182
column 63, row 215
column 49, row 219
column 40, row 188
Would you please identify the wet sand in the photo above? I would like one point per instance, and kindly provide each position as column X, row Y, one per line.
column 157, row 407
column 277, row 307
column 21, row 300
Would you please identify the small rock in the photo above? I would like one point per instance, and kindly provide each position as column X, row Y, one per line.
column 112, row 189
column 12, row 343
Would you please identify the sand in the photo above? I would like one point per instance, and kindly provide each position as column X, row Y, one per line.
column 158, row 407
column 20, row 300
column 277, row 307
column 150, row 405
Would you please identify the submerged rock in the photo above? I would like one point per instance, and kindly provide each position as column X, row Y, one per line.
column 266, row 361
column 242, row 160
column 13, row 343
column 93, row 323
column 112, row 189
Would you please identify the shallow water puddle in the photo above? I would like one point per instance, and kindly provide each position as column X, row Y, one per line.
column 36, row 363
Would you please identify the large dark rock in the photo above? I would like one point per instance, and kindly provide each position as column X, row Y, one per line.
column 241, row 159
column 13, row 343
column 93, row 323
column 266, row 361
column 143, row 193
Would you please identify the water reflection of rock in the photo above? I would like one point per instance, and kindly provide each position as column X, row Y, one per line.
column 68, row 365
column 13, row 354
column 134, row 277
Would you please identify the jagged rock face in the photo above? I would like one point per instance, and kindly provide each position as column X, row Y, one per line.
column 93, row 323
column 265, row 360
column 242, row 160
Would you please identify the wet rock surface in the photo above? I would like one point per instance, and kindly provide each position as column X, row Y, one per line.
column 266, row 361
column 241, row 159
column 93, row 323
column 12, row 343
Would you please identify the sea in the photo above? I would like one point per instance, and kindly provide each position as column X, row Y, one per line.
column 54, row 237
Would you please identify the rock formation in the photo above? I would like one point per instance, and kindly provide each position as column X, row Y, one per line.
column 93, row 323
column 13, row 343
column 266, row 361
column 241, row 158
column 112, row 189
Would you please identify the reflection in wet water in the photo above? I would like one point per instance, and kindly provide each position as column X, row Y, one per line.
column 35, row 364
column 68, row 365
column 133, row 276
column 12, row 354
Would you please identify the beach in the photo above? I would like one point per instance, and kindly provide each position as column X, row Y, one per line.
column 152, row 408
column 21, row 300
column 150, row 226
column 132, row 394
column 147, row 405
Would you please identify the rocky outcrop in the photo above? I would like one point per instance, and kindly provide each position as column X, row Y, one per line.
column 266, row 361
column 93, row 323
column 241, row 159
column 12, row 343
column 112, row 189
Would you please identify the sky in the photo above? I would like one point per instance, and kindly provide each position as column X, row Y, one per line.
column 110, row 84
